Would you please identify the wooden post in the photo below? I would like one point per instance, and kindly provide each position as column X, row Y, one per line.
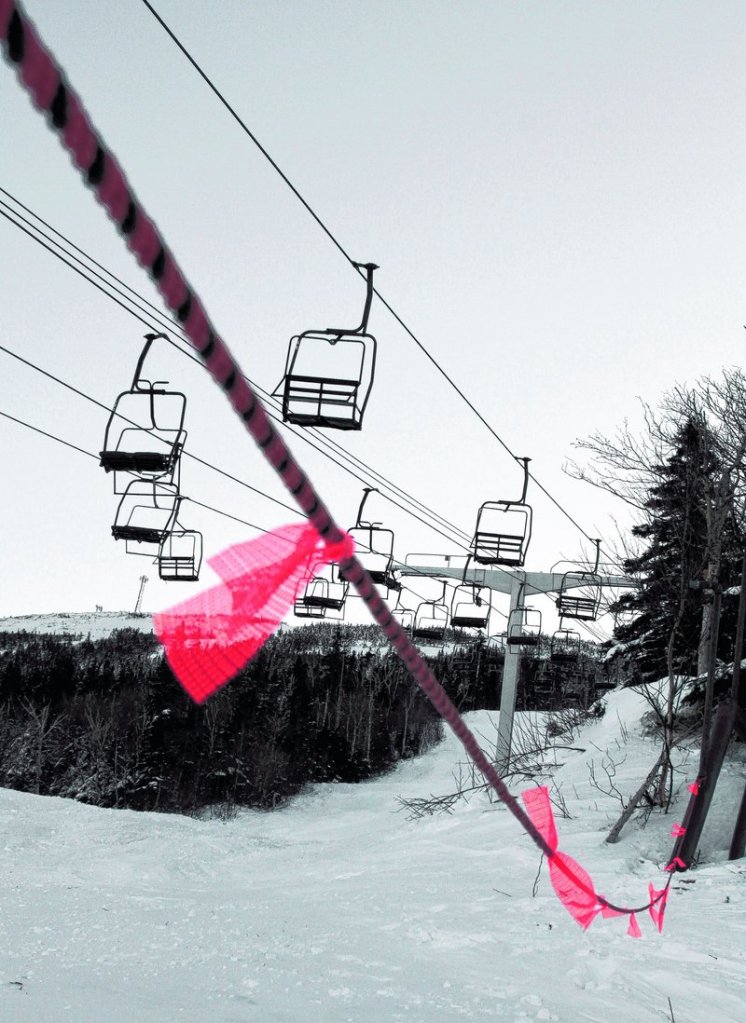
column 696, row 812
column 738, row 650
column 738, row 842
column 711, row 669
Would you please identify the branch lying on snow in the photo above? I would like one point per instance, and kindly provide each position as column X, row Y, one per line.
column 532, row 744
column 629, row 809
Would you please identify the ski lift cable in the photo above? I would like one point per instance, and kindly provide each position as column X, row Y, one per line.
column 361, row 479
column 148, row 323
column 107, row 408
column 206, row 78
column 174, row 326
column 218, row 511
column 91, row 454
column 188, row 454
column 194, row 457
column 51, row 436
column 101, row 405
column 52, row 94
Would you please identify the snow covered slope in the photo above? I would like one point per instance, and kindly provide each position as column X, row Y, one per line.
column 95, row 623
column 338, row 909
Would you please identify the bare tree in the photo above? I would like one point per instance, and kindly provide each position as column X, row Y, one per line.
column 630, row 466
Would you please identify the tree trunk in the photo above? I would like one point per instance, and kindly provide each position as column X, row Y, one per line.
column 635, row 801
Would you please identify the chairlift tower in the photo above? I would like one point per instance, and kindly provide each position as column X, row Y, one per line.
column 138, row 605
column 519, row 585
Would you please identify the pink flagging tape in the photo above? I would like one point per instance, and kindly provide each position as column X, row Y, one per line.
column 51, row 93
column 677, row 831
column 657, row 907
column 676, row 864
column 211, row 636
column 573, row 885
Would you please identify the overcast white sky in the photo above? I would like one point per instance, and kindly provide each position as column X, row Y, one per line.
column 553, row 192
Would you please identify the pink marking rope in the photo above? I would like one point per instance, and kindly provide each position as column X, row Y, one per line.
column 52, row 95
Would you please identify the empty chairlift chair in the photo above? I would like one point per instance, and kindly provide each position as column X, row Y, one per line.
column 524, row 627
column 469, row 608
column 503, row 529
column 579, row 595
column 324, row 593
column 329, row 373
column 145, row 432
column 564, row 646
column 180, row 555
column 403, row 615
column 145, row 516
column 375, row 548
column 496, row 643
column 431, row 619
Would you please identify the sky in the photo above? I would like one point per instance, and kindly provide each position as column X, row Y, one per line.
column 552, row 192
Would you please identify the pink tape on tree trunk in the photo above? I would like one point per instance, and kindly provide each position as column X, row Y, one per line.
column 211, row 636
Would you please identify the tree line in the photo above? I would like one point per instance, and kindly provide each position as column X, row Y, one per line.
column 105, row 722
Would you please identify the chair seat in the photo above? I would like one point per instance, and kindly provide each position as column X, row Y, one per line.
column 140, row 534
column 469, row 622
column 136, row 461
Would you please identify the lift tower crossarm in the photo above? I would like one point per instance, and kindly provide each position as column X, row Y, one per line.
column 519, row 584
column 501, row 580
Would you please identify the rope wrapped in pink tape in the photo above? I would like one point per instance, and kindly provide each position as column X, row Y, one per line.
column 53, row 95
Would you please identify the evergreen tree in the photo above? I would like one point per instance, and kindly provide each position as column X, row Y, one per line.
column 666, row 608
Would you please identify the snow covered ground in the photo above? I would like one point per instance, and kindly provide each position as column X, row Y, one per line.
column 95, row 624
column 338, row 909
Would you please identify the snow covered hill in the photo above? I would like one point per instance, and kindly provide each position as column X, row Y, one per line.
column 94, row 623
column 338, row 909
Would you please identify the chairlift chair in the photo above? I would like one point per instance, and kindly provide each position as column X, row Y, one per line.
column 329, row 373
column 375, row 547
column 564, row 646
column 180, row 556
column 145, row 516
column 469, row 609
column 403, row 615
column 497, row 642
column 430, row 621
column 431, row 618
column 524, row 627
column 503, row 530
column 584, row 602
column 145, row 432
column 325, row 591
